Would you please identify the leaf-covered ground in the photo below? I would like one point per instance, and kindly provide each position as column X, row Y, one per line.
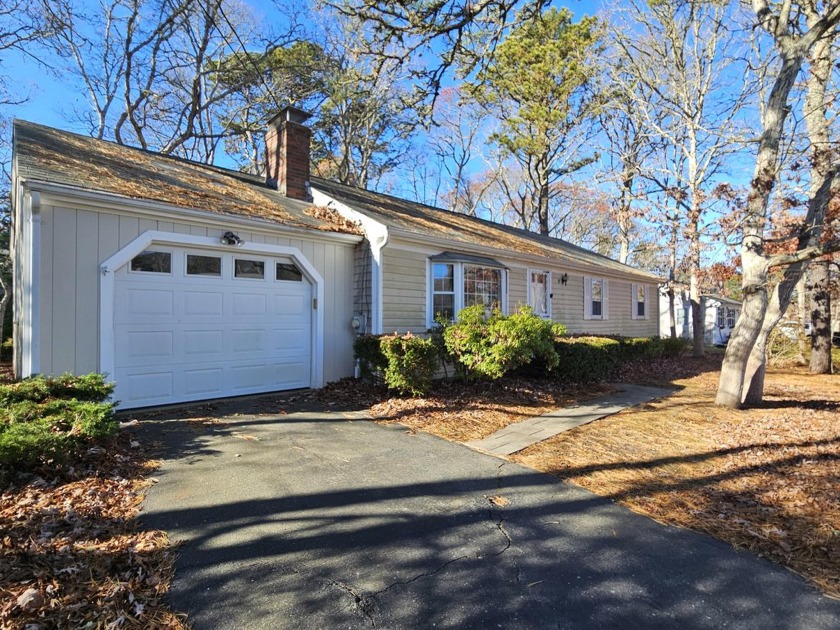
column 763, row 479
column 72, row 554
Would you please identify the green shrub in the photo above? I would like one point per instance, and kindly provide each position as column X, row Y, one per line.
column 7, row 350
column 90, row 387
column 586, row 359
column 368, row 350
column 489, row 347
column 674, row 348
column 412, row 363
column 44, row 418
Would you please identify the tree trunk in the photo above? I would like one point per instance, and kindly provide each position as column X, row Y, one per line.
column 753, row 261
column 802, row 317
column 672, row 319
column 698, row 315
column 820, row 318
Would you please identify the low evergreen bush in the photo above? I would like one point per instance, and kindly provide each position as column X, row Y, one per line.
column 411, row 363
column 44, row 418
column 489, row 347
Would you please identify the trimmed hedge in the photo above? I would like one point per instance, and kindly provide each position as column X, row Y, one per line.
column 44, row 418
column 586, row 359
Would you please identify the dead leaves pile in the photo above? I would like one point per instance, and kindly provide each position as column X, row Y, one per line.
column 762, row 479
column 71, row 552
column 462, row 411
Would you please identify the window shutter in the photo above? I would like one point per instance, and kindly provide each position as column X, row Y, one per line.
column 605, row 306
column 587, row 297
column 634, row 309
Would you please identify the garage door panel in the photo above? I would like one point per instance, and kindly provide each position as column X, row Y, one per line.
column 250, row 304
column 141, row 303
column 203, row 343
column 204, row 303
column 291, row 341
column 205, row 381
column 146, row 388
column 186, row 337
column 140, row 345
column 290, row 305
column 249, row 341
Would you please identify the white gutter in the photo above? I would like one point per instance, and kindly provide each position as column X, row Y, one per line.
column 154, row 209
column 377, row 235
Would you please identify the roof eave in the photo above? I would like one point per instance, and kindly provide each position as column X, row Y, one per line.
column 157, row 208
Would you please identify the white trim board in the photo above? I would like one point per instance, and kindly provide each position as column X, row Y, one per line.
column 152, row 237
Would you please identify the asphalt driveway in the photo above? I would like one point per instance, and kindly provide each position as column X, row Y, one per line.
column 313, row 520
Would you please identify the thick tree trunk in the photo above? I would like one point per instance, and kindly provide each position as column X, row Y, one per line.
column 672, row 319
column 802, row 317
column 820, row 318
column 753, row 260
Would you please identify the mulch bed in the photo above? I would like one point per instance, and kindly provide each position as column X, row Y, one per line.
column 72, row 554
column 462, row 411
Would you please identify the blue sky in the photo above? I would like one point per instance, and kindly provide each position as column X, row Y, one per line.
column 52, row 99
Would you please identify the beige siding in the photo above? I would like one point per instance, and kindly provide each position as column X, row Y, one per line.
column 403, row 291
column 517, row 288
column 75, row 242
column 567, row 307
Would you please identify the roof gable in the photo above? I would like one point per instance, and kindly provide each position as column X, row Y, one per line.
column 52, row 155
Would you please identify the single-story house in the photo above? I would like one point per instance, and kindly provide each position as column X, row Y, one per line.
column 719, row 316
column 184, row 281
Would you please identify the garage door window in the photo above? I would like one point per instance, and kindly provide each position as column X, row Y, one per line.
column 204, row 265
column 152, row 262
column 289, row 272
column 254, row 269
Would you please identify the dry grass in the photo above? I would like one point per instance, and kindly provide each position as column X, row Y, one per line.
column 762, row 479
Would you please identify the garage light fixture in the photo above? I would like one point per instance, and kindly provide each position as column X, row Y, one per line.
column 229, row 238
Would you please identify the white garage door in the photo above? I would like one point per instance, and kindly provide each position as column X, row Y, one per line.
column 193, row 325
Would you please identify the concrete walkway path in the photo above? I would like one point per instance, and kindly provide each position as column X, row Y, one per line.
column 515, row 437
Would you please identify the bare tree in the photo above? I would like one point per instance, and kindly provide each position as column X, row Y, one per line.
column 795, row 30
column 684, row 54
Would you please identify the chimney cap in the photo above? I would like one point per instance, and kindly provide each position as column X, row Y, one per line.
column 290, row 114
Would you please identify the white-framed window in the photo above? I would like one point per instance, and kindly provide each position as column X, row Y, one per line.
column 151, row 261
column 731, row 316
column 638, row 301
column 721, row 316
column 595, row 298
column 455, row 285
column 539, row 292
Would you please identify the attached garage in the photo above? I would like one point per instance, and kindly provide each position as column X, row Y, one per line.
column 202, row 321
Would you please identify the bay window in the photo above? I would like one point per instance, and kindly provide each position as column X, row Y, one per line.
column 458, row 281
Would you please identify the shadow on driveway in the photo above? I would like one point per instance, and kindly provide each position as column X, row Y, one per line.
column 316, row 519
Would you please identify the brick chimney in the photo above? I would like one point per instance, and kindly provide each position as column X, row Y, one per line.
column 287, row 153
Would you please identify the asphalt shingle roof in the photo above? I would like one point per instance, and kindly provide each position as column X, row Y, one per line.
column 52, row 155
column 460, row 228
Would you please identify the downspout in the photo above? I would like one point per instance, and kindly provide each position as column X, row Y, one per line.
column 31, row 285
column 377, row 244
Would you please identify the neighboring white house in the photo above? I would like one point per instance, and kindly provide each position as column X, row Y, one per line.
column 719, row 315
column 185, row 281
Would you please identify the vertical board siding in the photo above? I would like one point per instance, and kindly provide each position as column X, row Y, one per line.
column 64, row 296
column 74, row 243
column 87, row 283
column 403, row 291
